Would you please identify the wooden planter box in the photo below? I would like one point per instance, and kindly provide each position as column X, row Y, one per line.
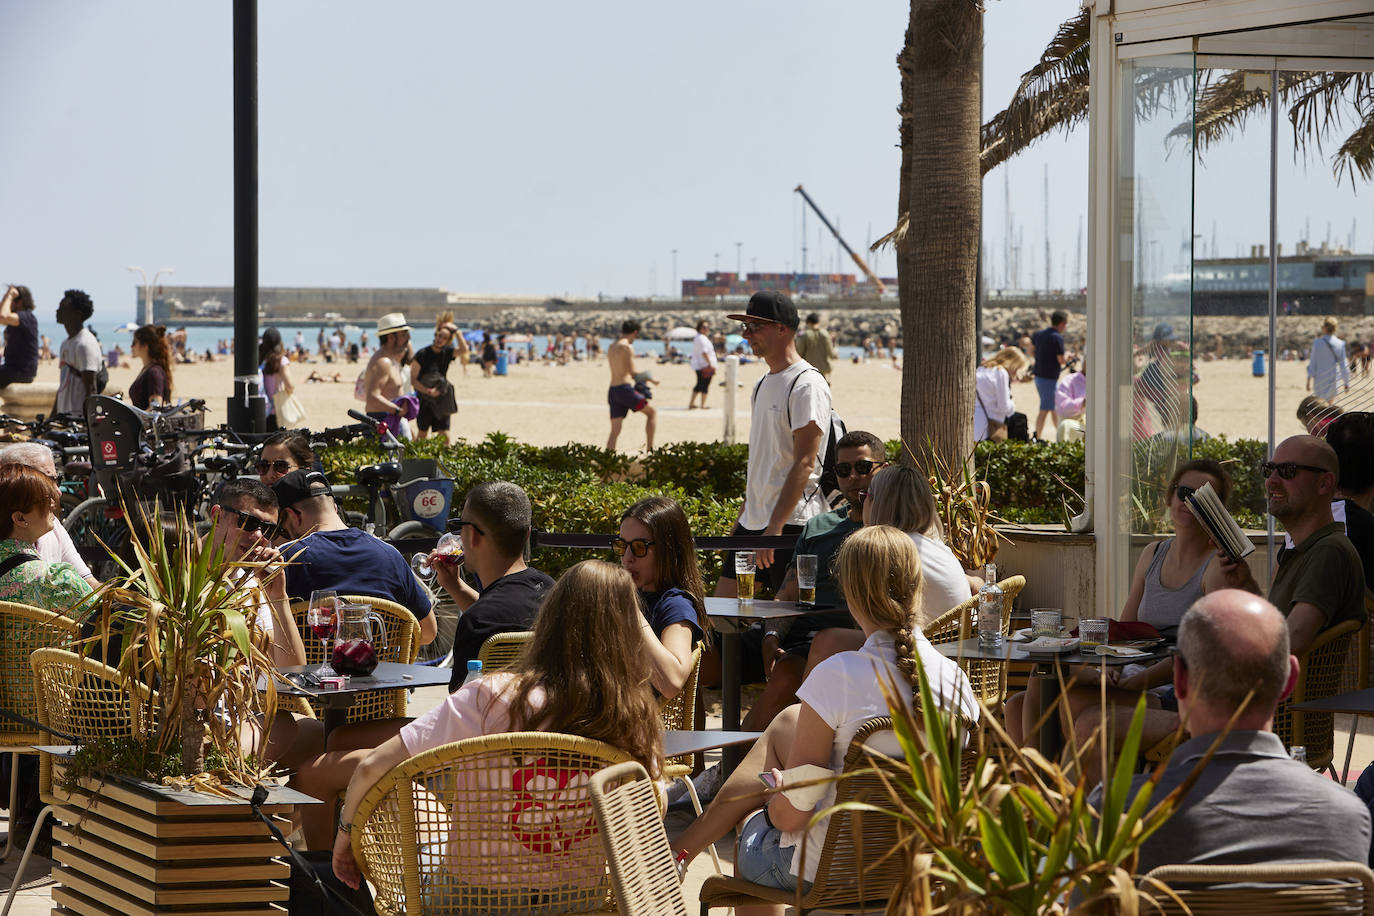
column 130, row 848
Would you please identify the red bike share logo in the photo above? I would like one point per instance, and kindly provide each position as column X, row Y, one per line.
column 108, row 451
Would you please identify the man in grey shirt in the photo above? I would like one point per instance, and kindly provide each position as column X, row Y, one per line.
column 1251, row 804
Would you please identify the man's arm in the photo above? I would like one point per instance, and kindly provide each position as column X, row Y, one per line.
column 1305, row 621
column 806, row 442
column 463, row 595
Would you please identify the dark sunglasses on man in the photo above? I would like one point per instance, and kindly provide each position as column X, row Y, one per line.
column 639, row 546
column 861, row 467
column 281, row 466
column 1287, row 469
column 250, row 523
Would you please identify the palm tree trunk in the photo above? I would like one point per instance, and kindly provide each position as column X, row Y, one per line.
column 941, row 191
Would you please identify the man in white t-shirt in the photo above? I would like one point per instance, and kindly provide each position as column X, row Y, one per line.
column 80, row 357
column 703, row 363
column 791, row 412
column 56, row 546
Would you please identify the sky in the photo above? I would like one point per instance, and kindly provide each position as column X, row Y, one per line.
column 542, row 149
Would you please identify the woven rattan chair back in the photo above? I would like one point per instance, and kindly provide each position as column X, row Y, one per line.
column 855, row 871
column 948, row 626
column 501, row 652
column 642, row 869
column 86, row 699
column 22, row 630
column 988, row 679
column 498, row 824
column 402, row 645
column 1309, row 888
column 679, row 712
column 1320, row 676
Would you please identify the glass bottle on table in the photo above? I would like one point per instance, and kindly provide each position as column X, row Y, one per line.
column 990, row 611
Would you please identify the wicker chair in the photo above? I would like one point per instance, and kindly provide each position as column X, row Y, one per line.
column 501, row 651
column 402, row 645
column 856, row 871
column 1319, row 676
column 1310, row 888
column 23, row 629
column 988, row 679
column 85, row 699
column 948, row 626
column 642, row 869
column 680, row 713
column 504, row 823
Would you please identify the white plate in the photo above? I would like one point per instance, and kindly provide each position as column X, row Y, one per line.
column 1051, row 645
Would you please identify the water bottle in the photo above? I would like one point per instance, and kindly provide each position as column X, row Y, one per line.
column 990, row 609
column 474, row 671
column 1298, row 752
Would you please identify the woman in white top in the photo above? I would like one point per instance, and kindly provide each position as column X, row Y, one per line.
column 993, row 388
column 880, row 573
column 703, row 364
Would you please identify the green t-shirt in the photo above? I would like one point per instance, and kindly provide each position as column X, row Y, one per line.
column 1325, row 571
column 823, row 536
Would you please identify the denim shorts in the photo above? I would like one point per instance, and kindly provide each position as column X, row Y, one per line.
column 1046, row 388
column 759, row 859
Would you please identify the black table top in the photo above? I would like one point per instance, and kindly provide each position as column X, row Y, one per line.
column 677, row 742
column 1016, row 652
column 1357, row 702
column 387, row 676
column 734, row 609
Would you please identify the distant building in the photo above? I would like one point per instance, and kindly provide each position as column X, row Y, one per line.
column 179, row 305
column 728, row 284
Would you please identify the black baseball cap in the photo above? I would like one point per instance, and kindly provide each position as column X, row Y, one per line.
column 300, row 485
column 770, row 305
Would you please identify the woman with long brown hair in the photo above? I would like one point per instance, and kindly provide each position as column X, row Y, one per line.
column 880, row 573
column 655, row 547
column 583, row 674
column 153, row 386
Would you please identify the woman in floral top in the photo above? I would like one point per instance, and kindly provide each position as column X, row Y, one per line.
column 29, row 498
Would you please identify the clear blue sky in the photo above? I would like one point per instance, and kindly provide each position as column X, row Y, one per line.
column 540, row 149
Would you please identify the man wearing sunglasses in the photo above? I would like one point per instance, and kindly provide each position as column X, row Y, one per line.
column 245, row 520
column 326, row 553
column 1319, row 582
column 495, row 524
column 790, row 414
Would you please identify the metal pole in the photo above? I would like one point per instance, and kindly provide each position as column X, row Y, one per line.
column 1273, row 266
column 247, row 407
column 731, row 380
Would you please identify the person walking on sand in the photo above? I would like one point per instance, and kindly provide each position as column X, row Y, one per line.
column 815, row 346
column 622, row 396
column 1050, row 357
column 703, row 364
column 382, row 381
column 1327, row 364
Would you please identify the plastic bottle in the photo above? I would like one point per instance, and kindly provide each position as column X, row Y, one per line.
column 1298, row 752
column 990, row 609
column 474, row 671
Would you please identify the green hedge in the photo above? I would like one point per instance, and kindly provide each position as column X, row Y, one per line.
column 583, row 489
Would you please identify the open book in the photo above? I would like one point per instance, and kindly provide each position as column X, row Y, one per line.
column 1222, row 528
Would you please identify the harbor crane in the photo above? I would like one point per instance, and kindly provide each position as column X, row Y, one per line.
column 868, row 272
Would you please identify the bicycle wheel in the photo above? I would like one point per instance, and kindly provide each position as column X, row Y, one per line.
column 97, row 537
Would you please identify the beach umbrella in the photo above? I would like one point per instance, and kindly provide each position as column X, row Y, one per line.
column 127, row 326
column 473, row 336
column 732, row 341
column 682, row 334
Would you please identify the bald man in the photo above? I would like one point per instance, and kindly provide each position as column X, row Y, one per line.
column 1319, row 582
column 1251, row 804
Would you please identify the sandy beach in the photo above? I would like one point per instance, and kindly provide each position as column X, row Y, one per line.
column 545, row 404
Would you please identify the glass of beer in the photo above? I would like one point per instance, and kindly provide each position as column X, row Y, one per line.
column 806, row 579
column 744, row 575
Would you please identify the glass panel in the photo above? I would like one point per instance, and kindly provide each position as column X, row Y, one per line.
column 1152, row 364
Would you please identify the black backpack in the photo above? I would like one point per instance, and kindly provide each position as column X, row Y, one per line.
column 829, row 483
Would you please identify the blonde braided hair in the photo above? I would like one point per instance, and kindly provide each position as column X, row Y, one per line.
column 879, row 570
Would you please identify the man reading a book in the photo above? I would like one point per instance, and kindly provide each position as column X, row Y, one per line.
column 1319, row 581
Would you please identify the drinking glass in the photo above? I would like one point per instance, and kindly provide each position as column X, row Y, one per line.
column 1046, row 621
column 744, row 575
column 806, row 578
column 321, row 617
column 449, row 550
column 1092, row 632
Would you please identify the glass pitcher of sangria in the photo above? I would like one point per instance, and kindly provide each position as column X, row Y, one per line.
column 355, row 650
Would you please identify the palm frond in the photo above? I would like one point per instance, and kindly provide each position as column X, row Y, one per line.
column 1356, row 154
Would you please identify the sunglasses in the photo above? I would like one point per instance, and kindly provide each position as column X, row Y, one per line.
column 860, row 467
column 752, row 327
column 473, row 525
column 251, row 523
column 281, row 466
column 639, row 546
column 1287, row 469
column 1184, row 492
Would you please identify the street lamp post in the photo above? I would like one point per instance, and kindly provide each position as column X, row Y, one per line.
column 148, row 290
column 739, row 260
column 676, row 291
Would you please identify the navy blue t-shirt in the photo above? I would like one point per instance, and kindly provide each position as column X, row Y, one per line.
column 1049, row 346
column 353, row 562
column 670, row 606
column 21, row 346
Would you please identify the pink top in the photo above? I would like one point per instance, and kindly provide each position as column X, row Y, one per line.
column 476, row 709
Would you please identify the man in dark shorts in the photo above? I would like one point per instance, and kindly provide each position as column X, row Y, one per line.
column 1050, row 358
column 429, row 369
column 622, row 396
